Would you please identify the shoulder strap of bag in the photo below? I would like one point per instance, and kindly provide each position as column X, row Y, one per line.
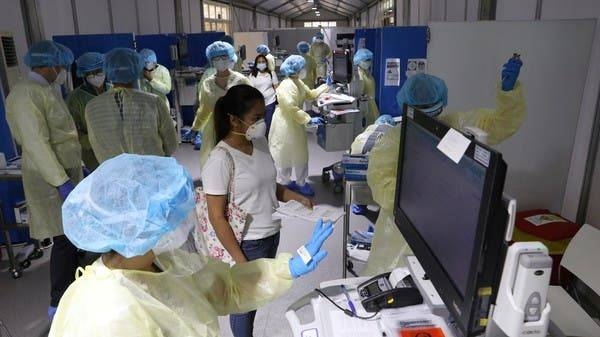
column 230, row 187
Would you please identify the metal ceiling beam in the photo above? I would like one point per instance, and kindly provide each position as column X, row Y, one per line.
column 328, row 8
column 346, row 11
column 299, row 8
column 279, row 6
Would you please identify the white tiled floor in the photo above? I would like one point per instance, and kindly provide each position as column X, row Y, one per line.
column 23, row 302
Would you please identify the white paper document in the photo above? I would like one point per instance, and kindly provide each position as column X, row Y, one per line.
column 454, row 145
column 392, row 72
column 297, row 210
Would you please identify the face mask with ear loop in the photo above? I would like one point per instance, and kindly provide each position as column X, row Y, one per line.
column 254, row 131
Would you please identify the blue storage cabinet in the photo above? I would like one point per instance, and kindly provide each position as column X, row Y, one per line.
column 161, row 44
column 392, row 42
column 197, row 44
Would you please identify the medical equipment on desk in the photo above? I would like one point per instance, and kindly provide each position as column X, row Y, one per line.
column 389, row 290
column 338, row 311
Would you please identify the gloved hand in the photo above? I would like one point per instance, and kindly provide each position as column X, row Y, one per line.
column 86, row 171
column 65, row 189
column 321, row 232
column 510, row 73
column 198, row 141
column 329, row 81
column 317, row 121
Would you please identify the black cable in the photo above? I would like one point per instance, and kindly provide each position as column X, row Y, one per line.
column 346, row 311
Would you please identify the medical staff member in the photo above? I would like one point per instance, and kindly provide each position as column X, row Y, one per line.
column 287, row 138
column 126, row 120
column 363, row 59
column 263, row 49
column 430, row 94
column 221, row 56
column 238, row 62
column 89, row 67
column 157, row 75
column 310, row 64
column 135, row 210
column 242, row 148
column 321, row 52
column 40, row 122
column 266, row 82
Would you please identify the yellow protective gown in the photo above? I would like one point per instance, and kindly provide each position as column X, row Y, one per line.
column 311, row 71
column 320, row 51
column 287, row 137
column 40, row 122
column 389, row 247
column 183, row 300
column 270, row 62
column 161, row 79
column 209, row 93
column 369, row 90
column 144, row 126
column 146, row 86
column 76, row 101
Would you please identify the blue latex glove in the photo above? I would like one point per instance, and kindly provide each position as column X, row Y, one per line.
column 65, row 189
column 510, row 73
column 321, row 232
column 86, row 171
column 329, row 81
column 317, row 120
column 198, row 141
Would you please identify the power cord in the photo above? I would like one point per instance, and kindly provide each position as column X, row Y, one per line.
column 346, row 311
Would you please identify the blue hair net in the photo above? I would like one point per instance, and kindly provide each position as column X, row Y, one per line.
column 89, row 62
column 123, row 65
column 43, row 54
column 148, row 55
column 425, row 91
column 129, row 204
column 362, row 54
column 219, row 48
column 319, row 35
column 385, row 119
column 228, row 39
column 263, row 49
column 66, row 56
column 303, row 47
column 292, row 65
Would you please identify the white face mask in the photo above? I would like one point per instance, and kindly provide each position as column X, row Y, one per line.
column 366, row 65
column 150, row 66
column 96, row 80
column 222, row 65
column 256, row 130
column 318, row 40
column 302, row 74
column 61, row 77
column 261, row 66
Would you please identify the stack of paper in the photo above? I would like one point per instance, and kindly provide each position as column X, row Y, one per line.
column 295, row 209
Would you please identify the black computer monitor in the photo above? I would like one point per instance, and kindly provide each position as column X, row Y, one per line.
column 342, row 67
column 453, row 218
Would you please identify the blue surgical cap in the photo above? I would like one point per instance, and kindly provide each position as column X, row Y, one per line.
column 148, row 55
column 385, row 119
column 319, row 35
column 303, row 47
column 228, row 39
column 123, row 65
column 362, row 54
column 43, row 54
column 89, row 62
column 292, row 65
column 66, row 56
column 219, row 48
column 262, row 49
column 128, row 204
column 427, row 92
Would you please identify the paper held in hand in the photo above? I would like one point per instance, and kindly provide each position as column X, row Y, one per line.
column 295, row 209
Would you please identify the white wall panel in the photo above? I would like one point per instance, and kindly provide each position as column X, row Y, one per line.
column 262, row 21
column 93, row 16
column 148, row 17
column 195, row 16
column 167, row 16
column 374, row 20
column 124, row 18
column 242, row 20
column 515, row 9
column 56, row 17
column 455, row 10
column 274, row 22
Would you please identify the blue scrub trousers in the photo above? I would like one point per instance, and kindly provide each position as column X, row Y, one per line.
column 243, row 324
column 269, row 111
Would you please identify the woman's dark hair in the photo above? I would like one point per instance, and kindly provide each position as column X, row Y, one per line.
column 255, row 69
column 237, row 101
